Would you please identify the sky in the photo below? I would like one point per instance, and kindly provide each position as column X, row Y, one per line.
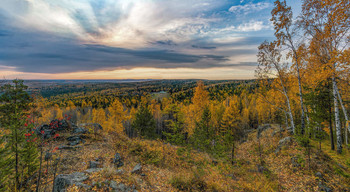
column 133, row 39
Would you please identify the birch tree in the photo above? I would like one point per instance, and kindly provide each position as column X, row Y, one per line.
column 269, row 66
column 327, row 25
column 286, row 33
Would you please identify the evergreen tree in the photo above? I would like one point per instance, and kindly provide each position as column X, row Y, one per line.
column 204, row 132
column 19, row 154
column 144, row 122
column 174, row 125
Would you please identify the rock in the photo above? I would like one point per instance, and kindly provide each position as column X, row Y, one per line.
column 65, row 180
column 93, row 170
column 319, row 175
column 80, row 130
column 75, row 140
column 59, row 125
column 68, row 147
column 48, row 131
column 65, row 147
column 45, row 131
column 323, row 187
column 294, row 161
column 120, row 187
column 93, row 164
column 73, row 143
column 118, row 160
column 120, row 171
column 113, row 185
column 137, row 169
column 262, row 169
column 82, row 185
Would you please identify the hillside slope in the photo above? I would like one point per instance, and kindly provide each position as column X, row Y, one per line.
column 279, row 164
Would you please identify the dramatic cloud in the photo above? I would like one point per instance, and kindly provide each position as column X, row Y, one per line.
column 90, row 36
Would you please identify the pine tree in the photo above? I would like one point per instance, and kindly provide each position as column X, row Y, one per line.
column 144, row 122
column 174, row 124
column 203, row 132
column 18, row 153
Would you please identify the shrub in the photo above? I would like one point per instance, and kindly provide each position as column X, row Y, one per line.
column 190, row 182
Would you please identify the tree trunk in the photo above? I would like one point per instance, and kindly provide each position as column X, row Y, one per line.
column 233, row 153
column 302, row 128
column 330, row 119
column 286, row 120
column 290, row 115
column 336, row 116
column 296, row 57
column 288, row 104
column 344, row 109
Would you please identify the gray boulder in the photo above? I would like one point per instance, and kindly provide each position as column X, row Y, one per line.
column 118, row 160
column 120, row 171
column 93, row 170
column 63, row 181
column 80, row 130
column 75, row 140
column 93, row 164
column 120, row 187
column 137, row 169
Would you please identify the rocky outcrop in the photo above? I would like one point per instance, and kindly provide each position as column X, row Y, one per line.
column 75, row 140
column 63, row 181
column 57, row 125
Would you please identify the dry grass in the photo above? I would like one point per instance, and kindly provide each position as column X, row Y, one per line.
column 172, row 168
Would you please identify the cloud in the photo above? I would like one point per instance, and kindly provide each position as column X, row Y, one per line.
column 252, row 26
column 165, row 42
column 249, row 8
column 203, row 47
column 128, row 24
column 83, row 36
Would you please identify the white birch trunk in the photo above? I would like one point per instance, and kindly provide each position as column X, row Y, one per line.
column 336, row 116
column 347, row 124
